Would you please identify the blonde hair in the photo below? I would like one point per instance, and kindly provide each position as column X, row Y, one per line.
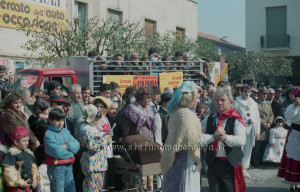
column 187, row 99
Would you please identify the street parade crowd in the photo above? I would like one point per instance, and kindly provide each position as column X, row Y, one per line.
column 63, row 140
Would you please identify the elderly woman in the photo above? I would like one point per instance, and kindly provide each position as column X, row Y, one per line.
column 180, row 163
column 138, row 117
column 13, row 117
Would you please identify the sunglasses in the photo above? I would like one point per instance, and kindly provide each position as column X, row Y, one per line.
column 59, row 103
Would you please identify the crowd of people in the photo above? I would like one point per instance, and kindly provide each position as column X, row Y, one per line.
column 63, row 141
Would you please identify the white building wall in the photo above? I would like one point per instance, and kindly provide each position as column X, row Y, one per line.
column 168, row 14
column 256, row 24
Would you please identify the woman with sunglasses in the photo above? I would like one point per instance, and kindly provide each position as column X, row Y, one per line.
column 94, row 158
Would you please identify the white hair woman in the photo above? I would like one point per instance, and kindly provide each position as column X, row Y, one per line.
column 181, row 157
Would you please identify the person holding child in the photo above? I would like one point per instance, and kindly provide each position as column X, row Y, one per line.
column 276, row 143
column 94, row 158
column 20, row 169
column 60, row 147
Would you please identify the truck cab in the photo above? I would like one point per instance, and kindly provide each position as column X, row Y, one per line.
column 39, row 78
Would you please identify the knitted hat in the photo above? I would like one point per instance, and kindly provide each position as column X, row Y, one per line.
column 18, row 133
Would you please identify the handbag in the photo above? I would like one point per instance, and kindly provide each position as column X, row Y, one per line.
column 141, row 150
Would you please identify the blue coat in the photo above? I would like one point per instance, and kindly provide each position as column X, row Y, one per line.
column 55, row 138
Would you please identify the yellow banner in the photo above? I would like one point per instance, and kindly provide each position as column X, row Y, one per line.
column 170, row 80
column 41, row 15
column 123, row 80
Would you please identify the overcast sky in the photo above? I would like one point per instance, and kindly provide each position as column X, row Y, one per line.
column 223, row 18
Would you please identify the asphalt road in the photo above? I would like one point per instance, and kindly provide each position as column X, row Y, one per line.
column 263, row 179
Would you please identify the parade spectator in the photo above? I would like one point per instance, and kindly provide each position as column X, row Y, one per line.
column 69, row 124
column 54, row 88
column 93, row 160
column 290, row 161
column 169, row 89
column 86, row 95
column 56, row 101
column 26, row 100
column 20, row 169
column 92, row 54
column 276, row 143
column 200, row 111
column 13, row 117
column 266, row 119
column 145, row 64
column 237, row 90
column 115, row 95
column 76, row 103
column 155, row 97
column 60, row 147
column 134, row 65
column 204, row 99
column 248, row 109
column 129, row 91
column 186, row 64
column 205, row 75
column 117, row 65
column 226, row 128
column 105, row 90
column 254, row 93
column 5, row 84
column 167, row 63
column 111, row 116
column 290, row 98
column 164, row 115
column 275, row 103
column 180, row 164
column 100, row 64
column 38, row 122
column 138, row 117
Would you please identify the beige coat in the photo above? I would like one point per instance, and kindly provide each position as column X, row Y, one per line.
column 266, row 116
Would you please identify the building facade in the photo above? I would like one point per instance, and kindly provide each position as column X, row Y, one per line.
column 156, row 15
column 273, row 26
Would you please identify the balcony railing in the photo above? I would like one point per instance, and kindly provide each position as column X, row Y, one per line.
column 275, row 41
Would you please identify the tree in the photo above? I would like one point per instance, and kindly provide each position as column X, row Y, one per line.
column 259, row 65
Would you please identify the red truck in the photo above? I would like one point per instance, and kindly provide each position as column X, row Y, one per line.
column 39, row 78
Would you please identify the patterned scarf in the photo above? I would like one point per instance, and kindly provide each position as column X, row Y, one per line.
column 139, row 115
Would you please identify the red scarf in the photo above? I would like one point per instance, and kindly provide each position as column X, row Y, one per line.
column 239, row 181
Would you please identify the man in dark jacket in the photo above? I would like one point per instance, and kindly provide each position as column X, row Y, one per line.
column 5, row 84
column 163, row 113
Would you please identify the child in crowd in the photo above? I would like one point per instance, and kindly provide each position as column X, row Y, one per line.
column 276, row 143
column 103, row 104
column 93, row 160
column 60, row 147
column 20, row 169
column 115, row 95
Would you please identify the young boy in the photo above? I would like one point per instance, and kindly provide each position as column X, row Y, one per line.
column 20, row 169
column 60, row 147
